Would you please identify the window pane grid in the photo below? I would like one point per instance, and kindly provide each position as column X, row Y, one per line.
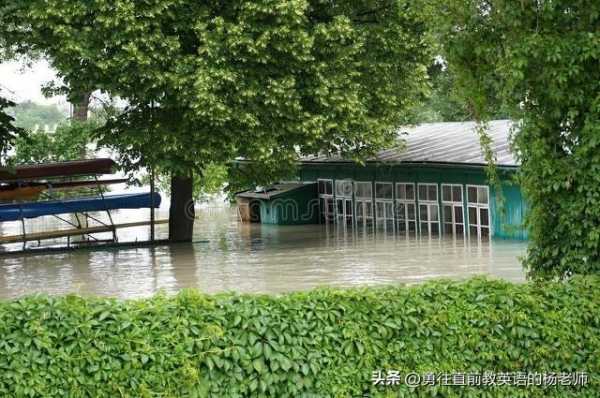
column 343, row 188
column 384, row 190
column 406, row 207
column 325, row 187
column 428, row 193
column 364, row 190
column 478, row 210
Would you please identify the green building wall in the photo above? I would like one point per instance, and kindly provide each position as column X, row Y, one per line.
column 506, row 215
column 296, row 207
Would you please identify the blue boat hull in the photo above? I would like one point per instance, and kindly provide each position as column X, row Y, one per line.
column 15, row 212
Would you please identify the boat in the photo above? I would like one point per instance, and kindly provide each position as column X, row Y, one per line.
column 58, row 169
column 32, row 190
column 20, row 211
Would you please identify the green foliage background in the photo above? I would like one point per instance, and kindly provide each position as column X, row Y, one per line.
column 322, row 343
column 28, row 115
column 70, row 141
column 542, row 60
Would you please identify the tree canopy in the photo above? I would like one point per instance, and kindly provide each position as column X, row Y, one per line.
column 265, row 80
column 542, row 58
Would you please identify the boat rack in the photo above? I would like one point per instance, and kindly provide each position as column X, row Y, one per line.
column 23, row 178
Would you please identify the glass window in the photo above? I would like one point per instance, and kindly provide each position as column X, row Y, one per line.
column 384, row 190
column 343, row 188
column 369, row 210
column 410, row 212
column 325, row 187
column 422, row 192
column 364, row 190
column 359, row 212
column 410, row 191
column 448, row 213
column 446, row 193
column 472, row 215
column 452, row 193
column 380, row 210
column 478, row 195
column 428, row 192
column 405, row 191
column 472, row 194
column 432, row 192
column 389, row 209
column 400, row 191
column 482, row 195
column 484, row 217
column 321, row 186
column 458, row 215
column 457, row 194
column 401, row 211
column 433, row 213
column 423, row 212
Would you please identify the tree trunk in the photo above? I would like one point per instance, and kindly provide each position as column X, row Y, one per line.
column 81, row 105
column 181, row 212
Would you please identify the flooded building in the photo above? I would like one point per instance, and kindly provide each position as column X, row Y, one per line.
column 435, row 184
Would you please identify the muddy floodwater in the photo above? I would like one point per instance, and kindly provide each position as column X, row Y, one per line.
column 230, row 256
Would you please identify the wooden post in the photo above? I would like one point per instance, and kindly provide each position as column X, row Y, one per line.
column 152, row 218
column 152, row 188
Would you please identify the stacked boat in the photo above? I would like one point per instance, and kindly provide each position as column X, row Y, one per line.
column 31, row 191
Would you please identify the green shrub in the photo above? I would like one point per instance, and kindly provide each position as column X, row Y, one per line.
column 315, row 344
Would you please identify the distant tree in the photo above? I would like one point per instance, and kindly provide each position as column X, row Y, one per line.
column 266, row 80
column 29, row 115
column 542, row 58
column 445, row 104
column 70, row 141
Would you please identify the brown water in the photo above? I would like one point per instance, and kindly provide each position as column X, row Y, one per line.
column 230, row 256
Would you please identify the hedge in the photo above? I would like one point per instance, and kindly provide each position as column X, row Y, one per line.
column 322, row 343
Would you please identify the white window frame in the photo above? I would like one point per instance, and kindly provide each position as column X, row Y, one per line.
column 407, row 202
column 325, row 198
column 364, row 202
column 345, row 198
column 479, row 206
column 453, row 204
column 387, row 204
column 429, row 203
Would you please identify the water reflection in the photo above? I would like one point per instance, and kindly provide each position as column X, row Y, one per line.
column 228, row 256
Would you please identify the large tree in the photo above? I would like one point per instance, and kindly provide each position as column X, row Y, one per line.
column 266, row 80
column 543, row 59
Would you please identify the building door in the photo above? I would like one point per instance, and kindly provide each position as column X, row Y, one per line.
column 406, row 206
column 364, row 203
column 478, row 207
column 344, row 203
column 344, row 211
column 384, row 205
column 326, row 208
column 429, row 210
column 453, row 210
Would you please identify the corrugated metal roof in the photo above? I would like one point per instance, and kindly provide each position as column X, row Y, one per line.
column 272, row 191
column 448, row 142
